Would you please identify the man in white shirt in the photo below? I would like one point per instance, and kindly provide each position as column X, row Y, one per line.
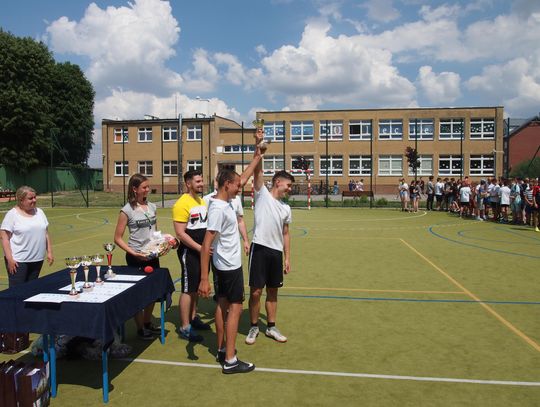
column 270, row 250
column 504, row 199
column 439, row 189
column 464, row 198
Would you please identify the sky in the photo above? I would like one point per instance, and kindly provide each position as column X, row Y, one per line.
column 237, row 57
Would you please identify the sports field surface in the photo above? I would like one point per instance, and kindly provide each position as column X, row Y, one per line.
column 381, row 308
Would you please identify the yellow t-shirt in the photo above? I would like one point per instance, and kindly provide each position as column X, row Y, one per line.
column 193, row 212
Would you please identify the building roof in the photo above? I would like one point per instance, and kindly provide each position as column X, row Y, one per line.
column 526, row 123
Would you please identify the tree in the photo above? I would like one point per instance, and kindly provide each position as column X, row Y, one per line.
column 527, row 169
column 40, row 99
column 412, row 158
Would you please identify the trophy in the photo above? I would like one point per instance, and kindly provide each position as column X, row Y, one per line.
column 109, row 247
column 262, row 144
column 85, row 262
column 97, row 259
column 73, row 263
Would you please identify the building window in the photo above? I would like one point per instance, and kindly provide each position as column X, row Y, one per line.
column 194, row 132
column 482, row 128
column 360, row 130
column 481, row 165
column 359, row 165
column 426, row 166
column 450, row 129
column 450, row 165
column 193, row 165
column 170, row 168
column 334, row 163
column 237, row 149
column 335, row 129
column 425, row 129
column 390, row 129
column 119, row 132
column 170, row 133
column 274, row 131
column 297, row 171
column 144, row 134
column 302, row 131
column 272, row 164
column 391, row 165
column 118, row 167
column 145, row 168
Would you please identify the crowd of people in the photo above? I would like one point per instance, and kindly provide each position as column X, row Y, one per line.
column 501, row 200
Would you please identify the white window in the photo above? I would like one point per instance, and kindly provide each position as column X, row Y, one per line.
column 170, row 133
column 450, row 165
column 193, row 165
column 274, row 131
column 360, row 130
column 424, row 127
column 119, row 132
column 272, row 164
column 335, row 130
column 144, row 134
column 482, row 128
column 359, row 165
column 298, row 171
column 302, row 131
column 170, row 168
column 118, row 167
column 481, row 165
column 237, row 149
column 426, row 166
column 450, row 129
column 390, row 129
column 391, row 165
column 145, row 168
column 334, row 163
column 194, row 132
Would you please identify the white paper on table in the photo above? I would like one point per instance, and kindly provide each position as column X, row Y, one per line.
column 90, row 296
column 127, row 277
column 112, row 288
column 44, row 297
column 78, row 286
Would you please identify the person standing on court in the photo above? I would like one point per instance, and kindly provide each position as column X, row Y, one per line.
column 430, row 194
column 25, row 238
column 222, row 238
column 190, row 217
column 139, row 216
column 270, row 250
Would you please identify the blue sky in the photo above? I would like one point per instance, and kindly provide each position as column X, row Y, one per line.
column 240, row 56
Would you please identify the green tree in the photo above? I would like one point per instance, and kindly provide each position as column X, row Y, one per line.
column 527, row 169
column 412, row 158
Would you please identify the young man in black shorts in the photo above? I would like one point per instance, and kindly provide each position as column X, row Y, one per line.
column 270, row 250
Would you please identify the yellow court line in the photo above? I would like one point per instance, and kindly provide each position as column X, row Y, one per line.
column 373, row 291
column 83, row 238
column 505, row 322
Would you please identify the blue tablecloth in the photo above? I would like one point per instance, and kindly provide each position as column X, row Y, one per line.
column 90, row 320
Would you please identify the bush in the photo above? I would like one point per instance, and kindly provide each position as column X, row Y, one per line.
column 381, row 202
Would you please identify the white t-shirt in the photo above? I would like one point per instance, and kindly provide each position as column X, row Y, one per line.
column 227, row 250
column 270, row 216
column 28, row 235
column 504, row 194
column 493, row 190
column 236, row 202
column 439, row 188
column 464, row 194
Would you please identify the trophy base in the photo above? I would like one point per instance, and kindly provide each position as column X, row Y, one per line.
column 87, row 287
column 73, row 293
column 110, row 275
column 98, row 281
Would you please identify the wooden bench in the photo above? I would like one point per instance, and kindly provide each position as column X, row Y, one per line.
column 356, row 194
column 7, row 194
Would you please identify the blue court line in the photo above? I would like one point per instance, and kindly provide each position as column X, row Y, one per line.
column 335, row 297
column 519, row 234
column 478, row 247
column 462, row 234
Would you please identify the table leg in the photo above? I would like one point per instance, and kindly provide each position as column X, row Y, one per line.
column 45, row 344
column 105, row 366
column 52, row 361
column 162, row 322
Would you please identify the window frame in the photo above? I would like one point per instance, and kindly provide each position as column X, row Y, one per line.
column 170, row 164
column 392, row 135
column 482, row 170
column 168, row 130
column 118, row 165
column 421, row 124
column 333, row 125
column 451, row 171
column 275, row 159
column 421, row 171
column 193, row 165
column 362, row 136
column 194, row 132
column 271, row 131
column 483, row 122
column 334, row 172
column 121, row 131
column 144, row 135
column 392, row 158
column 302, row 137
column 453, row 122
column 309, row 158
column 143, row 166
column 361, row 158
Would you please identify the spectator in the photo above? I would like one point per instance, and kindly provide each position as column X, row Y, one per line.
column 481, row 193
column 336, row 188
column 464, row 199
column 403, row 189
column 359, row 185
column 439, row 193
column 352, row 185
column 494, row 200
column 504, row 199
column 515, row 201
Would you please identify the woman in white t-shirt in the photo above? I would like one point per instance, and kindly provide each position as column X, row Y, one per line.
column 25, row 238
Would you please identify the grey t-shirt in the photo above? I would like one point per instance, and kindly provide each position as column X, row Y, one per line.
column 141, row 225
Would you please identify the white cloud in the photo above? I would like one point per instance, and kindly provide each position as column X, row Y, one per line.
column 381, row 10
column 204, row 75
column 440, row 88
column 236, row 73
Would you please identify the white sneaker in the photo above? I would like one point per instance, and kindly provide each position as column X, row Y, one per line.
column 252, row 335
column 274, row 333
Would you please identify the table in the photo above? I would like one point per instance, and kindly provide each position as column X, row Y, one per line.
column 101, row 320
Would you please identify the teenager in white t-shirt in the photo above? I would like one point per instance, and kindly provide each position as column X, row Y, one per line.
column 504, row 197
column 464, row 198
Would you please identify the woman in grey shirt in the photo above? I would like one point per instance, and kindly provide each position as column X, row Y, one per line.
column 139, row 216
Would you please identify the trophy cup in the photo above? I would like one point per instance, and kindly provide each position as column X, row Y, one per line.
column 97, row 259
column 73, row 263
column 85, row 262
column 262, row 144
column 109, row 247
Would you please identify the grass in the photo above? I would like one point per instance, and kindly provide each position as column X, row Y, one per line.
column 376, row 292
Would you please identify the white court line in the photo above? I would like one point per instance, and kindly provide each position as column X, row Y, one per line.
column 343, row 374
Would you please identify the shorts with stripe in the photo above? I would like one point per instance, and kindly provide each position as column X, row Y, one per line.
column 191, row 269
column 265, row 267
column 230, row 284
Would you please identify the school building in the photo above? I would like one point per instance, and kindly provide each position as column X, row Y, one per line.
column 339, row 145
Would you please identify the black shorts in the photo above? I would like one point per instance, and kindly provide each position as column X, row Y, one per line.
column 230, row 284
column 494, row 205
column 464, row 204
column 191, row 269
column 133, row 261
column 265, row 267
column 438, row 198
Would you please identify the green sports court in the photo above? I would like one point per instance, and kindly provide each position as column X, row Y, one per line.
column 381, row 308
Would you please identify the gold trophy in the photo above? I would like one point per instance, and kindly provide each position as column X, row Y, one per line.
column 97, row 259
column 109, row 247
column 260, row 142
column 85, row 262
column 73, row 263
